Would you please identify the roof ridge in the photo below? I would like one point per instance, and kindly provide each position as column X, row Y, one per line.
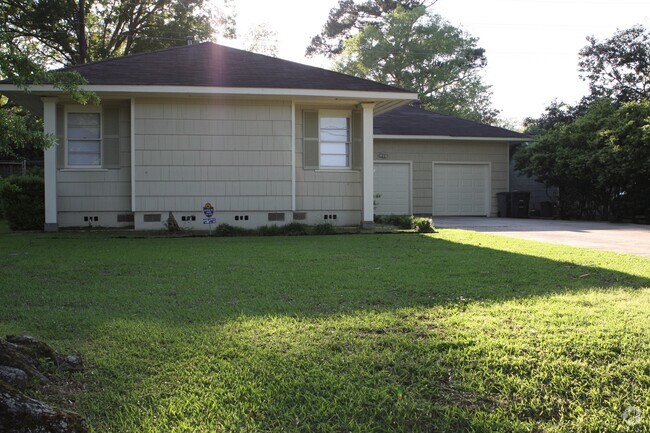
column 82, row 66
column 130, row 56
column 311, row 66
column 209, row 64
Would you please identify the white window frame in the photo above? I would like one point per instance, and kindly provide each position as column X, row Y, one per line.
column 83, row 109
column 347, row 114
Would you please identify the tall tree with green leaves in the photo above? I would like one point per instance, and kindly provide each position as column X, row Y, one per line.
column 618, row 67
column 598, row 151
column 595, row 158
column 21, row 130
column 50, row 29
column 419, row 51
column 37, row 34
column 350, row 17
column 262, row 39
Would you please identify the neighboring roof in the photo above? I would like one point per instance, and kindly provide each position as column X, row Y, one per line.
column 410, row 120
column 211, row 65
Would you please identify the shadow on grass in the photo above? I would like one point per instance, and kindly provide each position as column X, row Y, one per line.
column 300, row 334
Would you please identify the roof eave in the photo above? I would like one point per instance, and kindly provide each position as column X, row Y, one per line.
column 448, row 138
column 206, row 90
column 385, row 100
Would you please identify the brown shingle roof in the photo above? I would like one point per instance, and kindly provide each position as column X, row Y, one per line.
column 213, row 65
column 412, row 120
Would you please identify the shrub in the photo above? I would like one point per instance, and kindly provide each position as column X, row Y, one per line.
column 323, row 229
column 423, row 225
column 294, row 229
column 23, row 202
column 401, row 221
column 226, row 230
column 272, row 230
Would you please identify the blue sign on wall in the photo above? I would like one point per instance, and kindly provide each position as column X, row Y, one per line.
column 208, row 210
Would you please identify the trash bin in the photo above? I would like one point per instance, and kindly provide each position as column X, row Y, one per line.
column 503, row 203
column 546, row 209
column 519, row 204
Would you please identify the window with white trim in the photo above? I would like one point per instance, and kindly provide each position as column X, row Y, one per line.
column 84, row 139
column 334, row 140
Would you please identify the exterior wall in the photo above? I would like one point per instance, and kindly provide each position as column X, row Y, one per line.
column 95, row 197
column 422, row 153
column 323, row 194
column 538, row 192
column 233, row 154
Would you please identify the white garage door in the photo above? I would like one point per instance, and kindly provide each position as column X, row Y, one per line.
column 460, row 189
column 393, row 184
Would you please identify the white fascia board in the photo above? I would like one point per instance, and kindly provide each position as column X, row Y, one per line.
column 205, row 90
column 448, row 138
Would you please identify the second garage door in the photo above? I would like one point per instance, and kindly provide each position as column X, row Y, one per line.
column 460, row 189
column 393, row 188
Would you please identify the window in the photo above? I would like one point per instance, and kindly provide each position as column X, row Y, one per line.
column 332, row 139
column 84, row 139
column 335, row 142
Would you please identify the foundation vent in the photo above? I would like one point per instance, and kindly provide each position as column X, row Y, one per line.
column 152, row 217
column 125, row 218
column 276, row 216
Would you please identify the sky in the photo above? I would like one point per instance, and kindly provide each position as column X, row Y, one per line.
column 531, row 45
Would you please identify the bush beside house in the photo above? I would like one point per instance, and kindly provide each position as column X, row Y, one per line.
column 22, row 202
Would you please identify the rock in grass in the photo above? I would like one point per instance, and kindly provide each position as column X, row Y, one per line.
column 22, row 359
column 21, row 414
column 13, row 376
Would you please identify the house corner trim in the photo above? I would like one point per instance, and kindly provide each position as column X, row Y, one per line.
column 49, row 129
column 368, row 164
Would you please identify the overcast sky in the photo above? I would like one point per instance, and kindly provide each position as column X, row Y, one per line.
column 531, row 45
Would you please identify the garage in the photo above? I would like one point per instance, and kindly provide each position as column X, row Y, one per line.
column 392, row 188
column 461, row 189
column 457, row 166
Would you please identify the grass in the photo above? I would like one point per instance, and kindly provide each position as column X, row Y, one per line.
column 455, row 331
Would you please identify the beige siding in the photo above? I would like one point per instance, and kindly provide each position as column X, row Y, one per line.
column 236, row 155
column 423, row 153
column 95, row 192
column 320, row 192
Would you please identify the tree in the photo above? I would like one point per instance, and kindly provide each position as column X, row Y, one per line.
column 51, row 30
column 350, row 17
column 598, row 151
column 556, row 114
column 594, row 159
column 20, row 130
column 262, row 40
column 416, row 50
column 618, row 67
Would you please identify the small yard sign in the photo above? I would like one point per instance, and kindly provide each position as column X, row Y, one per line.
column 208, row 210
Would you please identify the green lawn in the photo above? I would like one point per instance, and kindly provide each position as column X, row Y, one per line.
column 448, row 332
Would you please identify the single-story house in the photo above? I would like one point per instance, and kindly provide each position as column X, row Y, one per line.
column 263, row 140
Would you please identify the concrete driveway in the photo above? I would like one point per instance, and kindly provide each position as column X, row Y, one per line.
column 621, row 238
